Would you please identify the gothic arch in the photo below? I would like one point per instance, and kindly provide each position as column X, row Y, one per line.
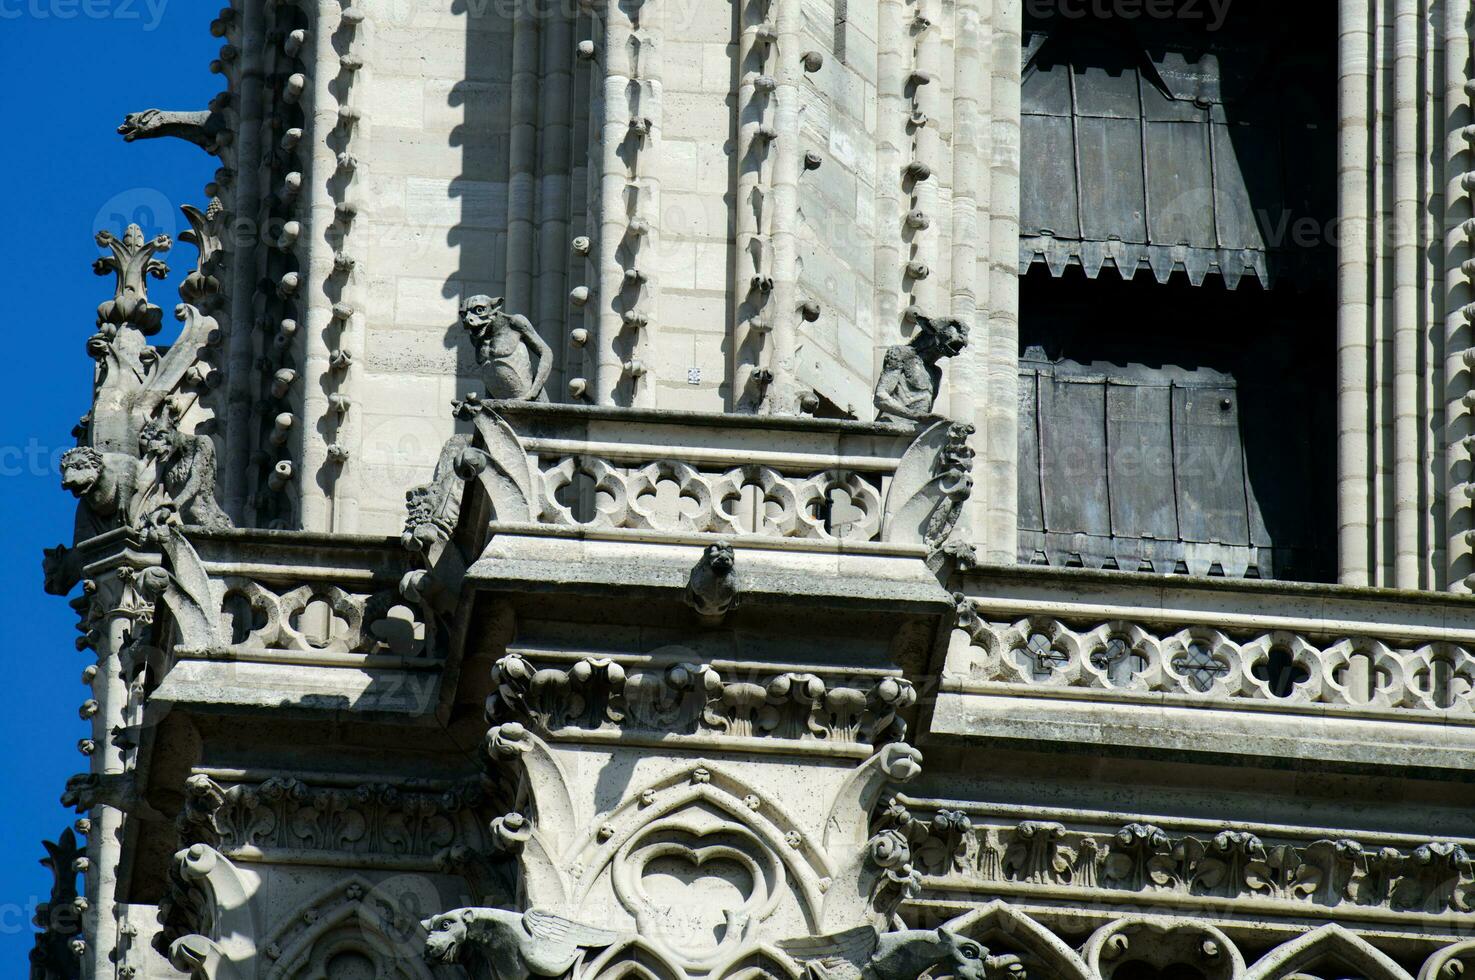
column 749, row 810
column 758, row 963
column 1166, row 942
column 335, row 922
column 1329, row 944
column 633, row 959
column 1004, row 929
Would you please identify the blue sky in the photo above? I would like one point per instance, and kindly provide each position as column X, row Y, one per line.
column 69, row 71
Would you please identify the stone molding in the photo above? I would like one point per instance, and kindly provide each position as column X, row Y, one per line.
column 1228, row 871
column 560, row 700
column 286, row 819
column 1203, row 663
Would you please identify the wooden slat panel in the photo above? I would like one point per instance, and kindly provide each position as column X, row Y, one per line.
column 1139, row 430
column 1179, row 190
column 1031, row 501
column 1072, row 437
column 1209, row 464
column 1247, row 190
column 1112, row 204
column 1047, row 188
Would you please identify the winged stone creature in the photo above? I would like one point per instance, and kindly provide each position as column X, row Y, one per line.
column 513, row 945
column 864, row 953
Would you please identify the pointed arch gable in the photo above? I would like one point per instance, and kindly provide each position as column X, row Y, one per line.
column 340, row 908
column 633, row 959
column 1330, row 942
column 758, row 963
column 1173, row 940
column 805, row 864
column 998, row 921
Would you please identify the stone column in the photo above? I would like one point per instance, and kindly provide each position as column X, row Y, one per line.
column 1402, row 327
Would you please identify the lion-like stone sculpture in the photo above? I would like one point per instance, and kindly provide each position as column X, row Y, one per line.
column 910, row 377
column 506, row 345
column 713, row 589
column 512, row 945
column 104, row 485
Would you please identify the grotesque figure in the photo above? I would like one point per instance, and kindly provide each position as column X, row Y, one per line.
column 506, row 345
column 713, row 587
column 910, row 376
column 512, row 945
column 866, row 954
column 186, row 466
column 202, row 128
column 104, row 484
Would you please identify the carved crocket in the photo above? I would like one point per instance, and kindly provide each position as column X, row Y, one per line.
column 910, row 377
column 512, row 945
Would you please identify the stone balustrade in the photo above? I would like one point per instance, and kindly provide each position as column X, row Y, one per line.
column 1215, row 665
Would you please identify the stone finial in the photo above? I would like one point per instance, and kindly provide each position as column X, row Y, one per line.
column 132, row 261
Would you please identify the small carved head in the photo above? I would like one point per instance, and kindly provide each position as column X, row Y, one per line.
column 966, row 959
column 948, row 336
column 81, row 468
column 158, row 437
column 721, row 557
column 446, row 933
column 480, row 311
column 137, row 123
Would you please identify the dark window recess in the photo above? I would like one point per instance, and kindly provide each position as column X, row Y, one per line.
column 1163, row 144
column 1176, row 429
column 1177, row 415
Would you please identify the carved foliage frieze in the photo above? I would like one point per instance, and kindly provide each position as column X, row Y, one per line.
column 597, row 693
column 1139, row 858
column 284, row 813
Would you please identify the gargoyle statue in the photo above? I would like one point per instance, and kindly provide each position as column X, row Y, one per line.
column 714, row 589
column 104, row 484
column 864, row 953
column 118, row 790
column 512, row 945
column 202, row 128
column 506, row 345
column 186, row 471
column 910, row 377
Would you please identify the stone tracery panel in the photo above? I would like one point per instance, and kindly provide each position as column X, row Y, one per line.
column 1201, row 662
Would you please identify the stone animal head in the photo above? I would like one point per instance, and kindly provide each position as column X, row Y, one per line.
column 158, row 437
column 136, row 124
column 480, row 312
column 721, row 557
column 447, row 932
column 963, row 958
column 81, row 468
column 948, row 336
